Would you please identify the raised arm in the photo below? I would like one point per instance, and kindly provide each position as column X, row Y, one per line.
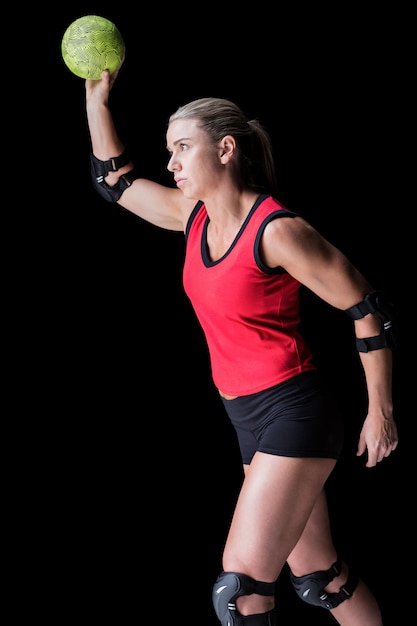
column 115, row 176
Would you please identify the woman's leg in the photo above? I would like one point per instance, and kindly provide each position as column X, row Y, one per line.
column 276, row 500
column 315, row 552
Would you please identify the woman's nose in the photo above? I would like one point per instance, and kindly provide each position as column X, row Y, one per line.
column 172, row 164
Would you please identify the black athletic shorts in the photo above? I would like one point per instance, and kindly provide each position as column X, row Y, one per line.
column 297, row 418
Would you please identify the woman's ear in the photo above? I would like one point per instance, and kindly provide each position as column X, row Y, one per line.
column 227, row 148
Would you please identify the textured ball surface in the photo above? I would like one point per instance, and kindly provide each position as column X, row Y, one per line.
column 90, row 45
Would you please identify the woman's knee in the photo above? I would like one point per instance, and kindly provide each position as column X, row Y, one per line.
column 314, row 588
column 231, row 586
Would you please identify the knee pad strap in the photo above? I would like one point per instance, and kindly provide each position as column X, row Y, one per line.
column 228, row 587
column 310, row 588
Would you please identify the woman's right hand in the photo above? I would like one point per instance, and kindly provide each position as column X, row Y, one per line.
column 101, row 88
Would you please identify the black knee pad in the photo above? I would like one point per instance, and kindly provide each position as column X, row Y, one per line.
column 230, row 586
column 310, row 587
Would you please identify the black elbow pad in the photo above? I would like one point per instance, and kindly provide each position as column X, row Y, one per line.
column 100, row 169
column 376, row 302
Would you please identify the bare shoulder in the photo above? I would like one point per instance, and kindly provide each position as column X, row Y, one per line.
column 293, row 242
column 289, row 224
column 296, row 246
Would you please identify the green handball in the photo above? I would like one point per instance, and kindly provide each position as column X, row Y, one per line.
column 90, row 45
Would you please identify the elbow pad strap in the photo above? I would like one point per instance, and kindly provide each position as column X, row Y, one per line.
column 375, row 302
column 99, row 171
column 367, row 344
column 102, row 168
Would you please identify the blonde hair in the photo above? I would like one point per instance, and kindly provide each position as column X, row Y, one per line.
column 219, row 117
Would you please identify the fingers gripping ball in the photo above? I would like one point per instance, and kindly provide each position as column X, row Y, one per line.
column 90, row 45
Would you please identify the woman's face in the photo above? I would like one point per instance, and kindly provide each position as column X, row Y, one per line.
column 194, row 161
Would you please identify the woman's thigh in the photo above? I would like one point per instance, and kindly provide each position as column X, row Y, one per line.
column 315, row 549
column 277, row 497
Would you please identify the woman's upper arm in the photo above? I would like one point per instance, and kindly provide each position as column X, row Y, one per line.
column 160, row 205
column 303, row 252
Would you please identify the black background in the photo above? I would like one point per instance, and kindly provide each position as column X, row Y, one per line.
column 137, row 468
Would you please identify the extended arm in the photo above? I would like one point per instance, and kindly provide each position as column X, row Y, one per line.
column 325, row 270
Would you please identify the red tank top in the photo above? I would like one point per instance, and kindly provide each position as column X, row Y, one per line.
column 249, row 312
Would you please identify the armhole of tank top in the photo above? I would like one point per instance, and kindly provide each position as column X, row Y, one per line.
column 257, row 256
column 192, row 217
